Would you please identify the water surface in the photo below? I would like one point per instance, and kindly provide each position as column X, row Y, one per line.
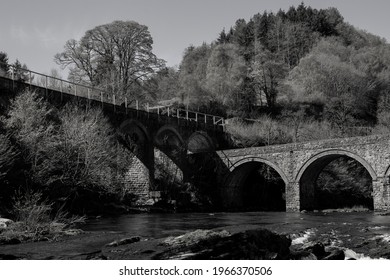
column 362, row 232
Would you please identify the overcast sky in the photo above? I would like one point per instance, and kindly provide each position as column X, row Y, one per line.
column 34, row 31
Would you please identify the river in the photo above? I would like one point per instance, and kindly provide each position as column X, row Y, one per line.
column 366, row 233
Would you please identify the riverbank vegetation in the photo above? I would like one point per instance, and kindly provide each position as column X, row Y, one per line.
column 56, row 161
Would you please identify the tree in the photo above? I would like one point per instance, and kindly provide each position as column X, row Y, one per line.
column 163, row 85
column 21, row 71
column 8, row 156
column 348, row 93
column 4, row 66
column 226, row 70
column 267, row 73
column 192, row 75
column 70, row 150
column 114, row 56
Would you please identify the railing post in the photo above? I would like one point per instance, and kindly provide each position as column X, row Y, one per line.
column 75, row 90
column 168, row 111
column 205, row 118
column 187, row 114
column 196, row 117
column 114, row 101
column 158, row 110
column 61, row 90
column 213, row 120
column 88, row 97
column 126, row 104
column 30, row 80
column 45, row 85
column 101, row 98
column 177, row 113
column 136, row 105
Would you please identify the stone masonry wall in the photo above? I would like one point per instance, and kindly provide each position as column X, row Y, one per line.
column 138, row 179
column 291, row 160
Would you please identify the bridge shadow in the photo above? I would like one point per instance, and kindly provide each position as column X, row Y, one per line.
column 253, row 186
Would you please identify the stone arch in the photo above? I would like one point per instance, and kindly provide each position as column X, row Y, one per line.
column 200, row 142
column 168, row 137
column 247, row 186
column 140, row 174
column 169, row 141
column 311, row 169
column 167, row 172
column 136, row 138
column 261, row 160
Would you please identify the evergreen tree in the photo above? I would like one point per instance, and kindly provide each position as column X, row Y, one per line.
column 4, row 66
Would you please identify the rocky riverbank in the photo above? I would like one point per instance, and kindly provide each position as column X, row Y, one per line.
column 229, row 243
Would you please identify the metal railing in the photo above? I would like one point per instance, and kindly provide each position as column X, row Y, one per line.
column 47, row 82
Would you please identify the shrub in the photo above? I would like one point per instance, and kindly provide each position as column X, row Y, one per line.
column 264, row 131
column 35, row 220
column 67, row 151
column 8, row 155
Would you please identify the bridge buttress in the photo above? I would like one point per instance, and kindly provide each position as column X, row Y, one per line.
column 292, row 197
column 381, row 194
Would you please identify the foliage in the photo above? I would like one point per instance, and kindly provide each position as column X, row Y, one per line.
column 8, row 155
column 4, row 66
column 337, row 185
column 20, row 71
column 192, row 75
column 267, row 74
column 265, row 131
column 225, row 73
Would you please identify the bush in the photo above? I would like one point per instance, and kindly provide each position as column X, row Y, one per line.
column 8, row 155
column 68, row 151
column 264, row 131
column 35, row 220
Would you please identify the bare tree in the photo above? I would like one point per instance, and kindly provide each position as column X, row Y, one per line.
column 115, row 56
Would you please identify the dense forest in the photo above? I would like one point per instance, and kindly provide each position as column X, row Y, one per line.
column 302, row 74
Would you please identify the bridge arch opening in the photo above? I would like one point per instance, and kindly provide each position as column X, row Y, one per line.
column 170, row 142
column 255, row 184
column 136, row 139
column 200, row 142
column 336, row 179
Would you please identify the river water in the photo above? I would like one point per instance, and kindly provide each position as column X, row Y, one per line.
column 366, row 233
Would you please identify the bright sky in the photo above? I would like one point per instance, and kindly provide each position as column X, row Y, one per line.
column 34, row 31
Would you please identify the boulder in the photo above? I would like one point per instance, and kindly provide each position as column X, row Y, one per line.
column 302, row 255
column 351, row 255
column 335, row 254
column 251, row 244
column 124, row 241
column 316, row 248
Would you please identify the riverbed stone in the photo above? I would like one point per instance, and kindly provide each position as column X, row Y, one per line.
column 335, row 254
column 316, row 248
column 124, row 241
column 250, row 244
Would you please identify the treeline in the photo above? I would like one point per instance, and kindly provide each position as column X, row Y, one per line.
column 305, row 69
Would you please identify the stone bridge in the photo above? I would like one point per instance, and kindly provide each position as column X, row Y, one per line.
column 300, row 164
